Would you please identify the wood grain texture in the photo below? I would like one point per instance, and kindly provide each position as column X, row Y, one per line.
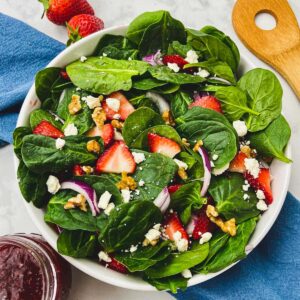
column 280, row 46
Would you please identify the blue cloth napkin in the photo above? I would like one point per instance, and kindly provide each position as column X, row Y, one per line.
column 23, row 51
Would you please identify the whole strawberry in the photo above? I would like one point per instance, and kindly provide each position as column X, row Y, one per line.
column 83, row 25
column 61, row 11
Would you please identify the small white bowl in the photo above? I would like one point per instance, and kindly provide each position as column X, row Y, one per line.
column 280, row 171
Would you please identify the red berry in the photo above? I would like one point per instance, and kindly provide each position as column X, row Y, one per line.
column 108, row 133
column 163, row 145
column 47, row 129
column 238, row 164
column 202, row 224
column 174, row 59
column 209, row 102
column 115, row 265
column 173, row 224
column 174, row 188
column 78, row 171
column 64, row 75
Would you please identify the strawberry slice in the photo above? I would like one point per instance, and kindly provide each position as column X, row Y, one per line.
column 77, row 170
column 116, row 159
column 202, row 224
column 108, row 134
column 95, row 131
column 64, row 75
column 173, row 224
column 115, row 265
column 174, row 59
column 163, row 145
column 209, row 102
column 47, row 129
column 263, row 182
column 237, row 164
column 174, row 188
column 124, row 111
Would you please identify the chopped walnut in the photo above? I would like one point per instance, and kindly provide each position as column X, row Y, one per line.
column 198, row 145
column 88, row 170
column 75, row 105
column 246, row 150
column 99, row 117
column 182, row 173
column 78, row 201
column 146, row 242
column 167, row 117
column 227, row 226
column 185, row 142
column 127, row 182
column 93, row 146
column 117, row 124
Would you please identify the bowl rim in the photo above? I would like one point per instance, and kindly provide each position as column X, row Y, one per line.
column 104, row 275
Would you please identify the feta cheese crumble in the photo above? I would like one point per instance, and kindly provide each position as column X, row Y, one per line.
column 261, row 205
column 246, row 196
column 174, row 67
column 240, row 127
column 205, row 237
column 180, row 164
column 202, row 73
column 60, row 143
column 83, row 58
column 92, row 102
column 180, row 243
column 104, row 256
column 126, row 194
column 53, row 184
column 141, row 182
column 186, row 273
column 109, row 208
column 191, row 57
column 113, row 104
column 138, row 157
column 260, row 195
column 71, row 129
column 246, row 187
column 252, row 166
column 215, row 157
column 133, row 248
column 104, row 200
column 152, row 235
column 220, row 171
column 116, row 116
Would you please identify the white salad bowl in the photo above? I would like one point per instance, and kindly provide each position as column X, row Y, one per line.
column 280, row 172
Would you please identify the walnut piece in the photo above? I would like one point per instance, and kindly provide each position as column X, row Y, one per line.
column 246, row 150
column 93, row 146
column 146, row 242
column 75, row 105
column 117, row 124
column 99, row 117
column 185, row 142
column 88, row 170
column 198, row 145
column 78, row 201
column 167, row 117
column 182, row 173
column 127, row 182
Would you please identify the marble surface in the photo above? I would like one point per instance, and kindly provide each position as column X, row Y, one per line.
column 194, row 13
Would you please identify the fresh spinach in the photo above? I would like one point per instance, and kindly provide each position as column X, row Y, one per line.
column 39, row 115
column 125, row 229
column 103, row 75
column 180, row 102
column 272, row 141
column 264, row 96
column 180, row 49
column 172, row 283
column 18, row 135
column 146, row 84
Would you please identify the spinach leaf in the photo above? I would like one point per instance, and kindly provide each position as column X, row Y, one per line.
column 187, row 199
column 180, row 49
column 77, row 243
column 172, row 283
column 71, row 219
column 32, row 186
column 128, row 224
column 180, row 102
column 177, row 262
column 146, row 84
column 103, row 75
column 167, row 89
column 228, row 195
column 138, row 121
column 156, row 171
column 213, row 129
column 164, row 73
column 264, row 96
column 39, row 115
column 144, row 257
column 18, row 136
column 233, row 250
column 155, row 30
column 41, row 156
column 272, row 140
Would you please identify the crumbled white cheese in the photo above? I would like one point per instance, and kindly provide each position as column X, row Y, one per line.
column 246, row 187
column 181, row 244
column 60, row 143
column 205, row 237
column 138, row 157
column 212, row 164
column 116, row 116
column 83, row 58
column 137, row 192
column 104, row 54
column 261, row 205
column 141, row 182
column 133, row 248
column 157, row 226
column 113, row 103
column 104, row 200
column 191, row 57
column 118, row 135
column 109, row 208
column 71, row 129
column 78, row 89
column 104, row 256
column 186, row 273
column 215, row 156
column 126, row 195
column 252, row 166
column 240, row 127
column 180, row 164
column 260, row 195
column 202, row 73
column 174, row 67
column 220, row 171
column 246, row 196
column 152, row 235
column 92, row 102
column 53, row 184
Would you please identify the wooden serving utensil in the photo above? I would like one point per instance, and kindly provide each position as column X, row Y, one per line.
column 280, row 46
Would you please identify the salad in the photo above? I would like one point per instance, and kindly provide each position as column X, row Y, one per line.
column 152, row 156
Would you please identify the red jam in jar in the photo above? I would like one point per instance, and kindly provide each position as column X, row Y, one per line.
column 31, row 270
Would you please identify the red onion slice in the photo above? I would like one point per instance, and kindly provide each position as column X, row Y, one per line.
column 159, row 101
column 84, row 189
column 163, row 200
column 191, row 225
column 207, row 170
column 153, row 59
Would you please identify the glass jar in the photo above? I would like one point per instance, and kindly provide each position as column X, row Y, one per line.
column 31, row 269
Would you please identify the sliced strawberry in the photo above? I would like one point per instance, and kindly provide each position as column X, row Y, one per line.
column 163, row 145
column 95, row 131
column 108, row 134
column 115, row 265
column 124, row 111
column 175, row 59
column 173, row 224
column 202, row 224
column 263, row 182
column 47, row 129
column 173, row 188
column 237, row 164
column 64, row 75
column 209, row 102
column 116, row 159
column 78, row 171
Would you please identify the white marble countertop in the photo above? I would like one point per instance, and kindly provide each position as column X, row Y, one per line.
column 193, row 13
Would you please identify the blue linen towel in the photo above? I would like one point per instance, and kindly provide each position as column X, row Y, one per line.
column 272, row 270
